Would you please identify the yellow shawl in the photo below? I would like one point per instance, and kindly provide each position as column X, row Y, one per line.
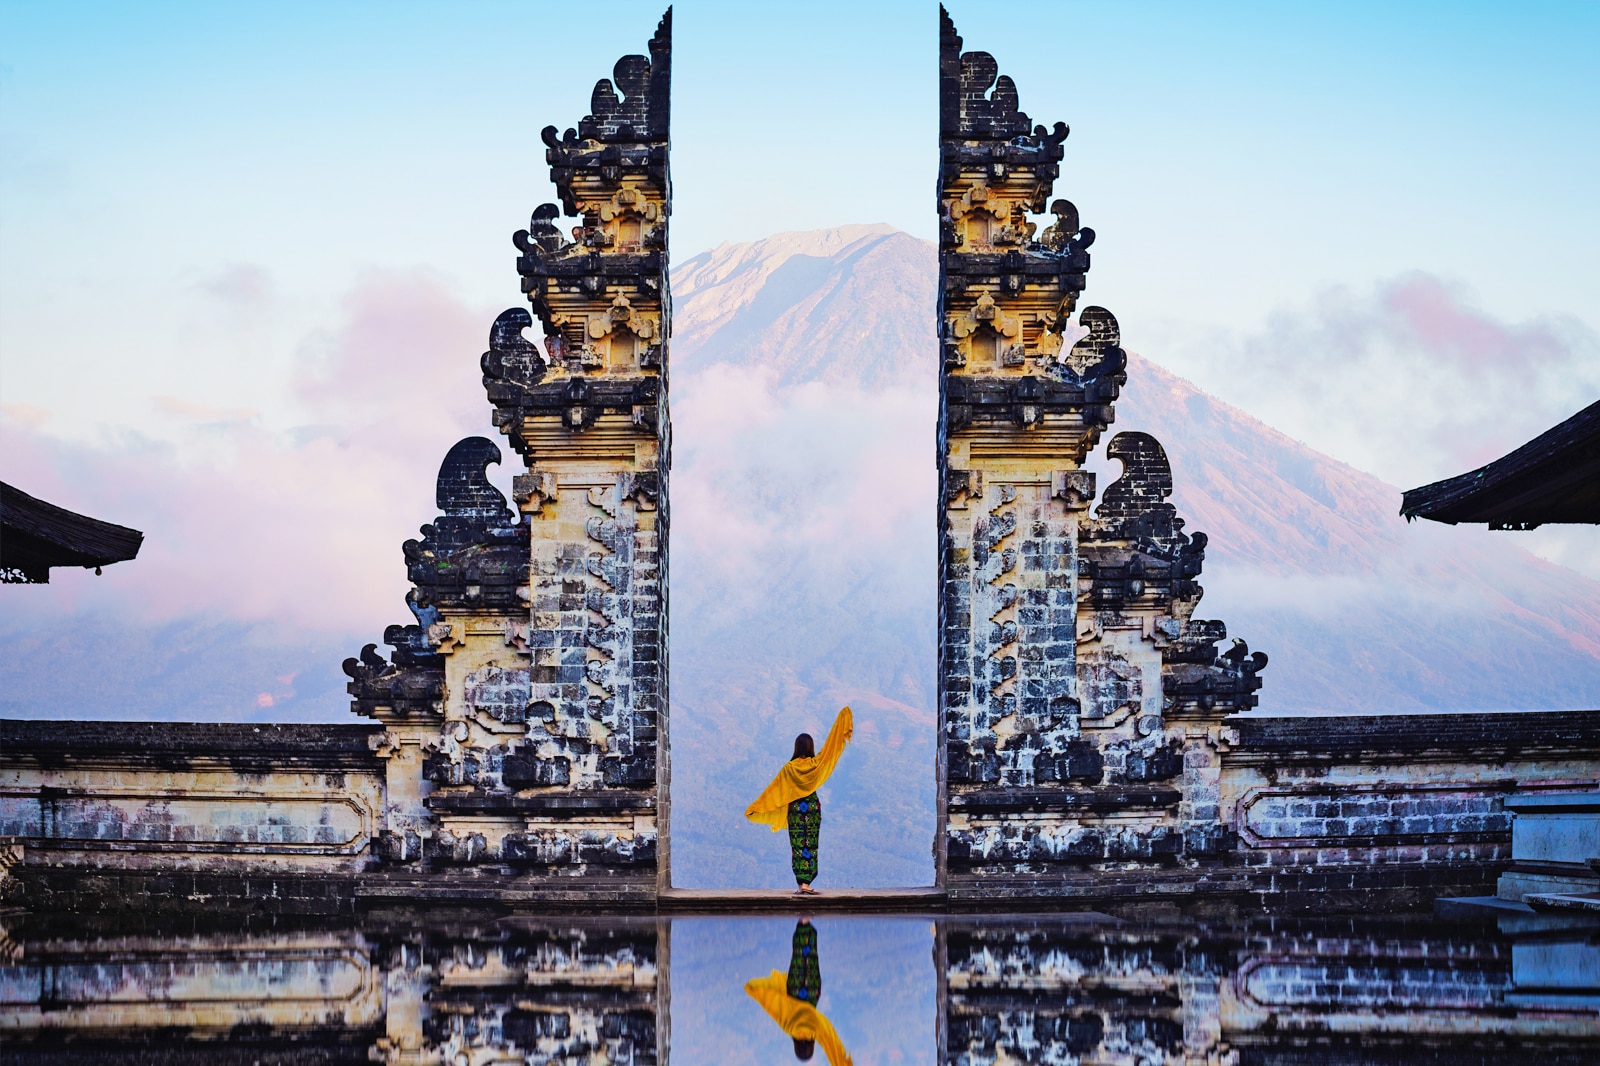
column 801, row 777
column 798, row 1019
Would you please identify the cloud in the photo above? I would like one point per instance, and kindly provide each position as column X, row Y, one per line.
column 188, row 410
column 1411, row 380
column 242, row 286
column 826, row 479
column 299, row 527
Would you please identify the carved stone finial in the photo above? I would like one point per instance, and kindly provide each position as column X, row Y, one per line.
column 1146, row 479
column 512, row 363
column 1098, row 353
column 464, row 489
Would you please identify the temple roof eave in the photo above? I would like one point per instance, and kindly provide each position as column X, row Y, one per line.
column 1552, row 479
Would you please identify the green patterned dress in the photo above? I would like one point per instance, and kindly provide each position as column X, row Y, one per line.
column 805, row 830
column 805, row 968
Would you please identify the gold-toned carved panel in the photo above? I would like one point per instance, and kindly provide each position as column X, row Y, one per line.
column 612, row 439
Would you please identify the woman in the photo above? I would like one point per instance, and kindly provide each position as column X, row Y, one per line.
column 791, row 800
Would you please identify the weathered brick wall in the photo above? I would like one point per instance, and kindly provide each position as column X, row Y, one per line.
column 1414, row 806
column 237, row 801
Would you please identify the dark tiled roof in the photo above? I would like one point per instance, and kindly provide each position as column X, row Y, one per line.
column 1553, row 478
column 34, row 536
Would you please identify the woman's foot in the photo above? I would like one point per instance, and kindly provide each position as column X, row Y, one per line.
column 805, row 890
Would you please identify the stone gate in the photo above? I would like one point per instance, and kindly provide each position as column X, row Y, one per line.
column 1091, row 744
column 524, row 711
column 1080, row 701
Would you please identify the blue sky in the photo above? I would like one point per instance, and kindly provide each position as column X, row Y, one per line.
column 191, row 195
column 1234, row 158
column 234, row 238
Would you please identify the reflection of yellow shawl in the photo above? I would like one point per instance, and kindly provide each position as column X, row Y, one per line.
column 801, row 777
column 797, row 1018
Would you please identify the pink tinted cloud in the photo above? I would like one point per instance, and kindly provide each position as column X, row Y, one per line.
column 1411, row 380
column 303, row 527
column 831, row 480
column 1443, row 321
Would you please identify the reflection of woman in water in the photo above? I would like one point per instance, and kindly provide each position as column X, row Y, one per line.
column 792, row 1001
column 791, row 800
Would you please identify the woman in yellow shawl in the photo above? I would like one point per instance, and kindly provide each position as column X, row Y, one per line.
column 791, row 800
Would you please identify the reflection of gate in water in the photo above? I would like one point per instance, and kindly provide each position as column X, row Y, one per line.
column 1078, row 987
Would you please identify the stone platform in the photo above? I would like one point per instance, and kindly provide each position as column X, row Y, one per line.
column 1317, row 814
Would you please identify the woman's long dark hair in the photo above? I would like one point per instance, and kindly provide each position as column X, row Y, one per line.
column 804, row 747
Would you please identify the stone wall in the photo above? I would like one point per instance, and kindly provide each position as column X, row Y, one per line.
column 1414, row 806
column 183, row 810
column 1311, row 814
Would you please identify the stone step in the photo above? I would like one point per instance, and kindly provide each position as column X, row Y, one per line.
column 1561, row 902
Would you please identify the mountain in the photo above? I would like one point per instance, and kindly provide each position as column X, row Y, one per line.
column 803, row 556
column 1361, row 611
column 850, row 305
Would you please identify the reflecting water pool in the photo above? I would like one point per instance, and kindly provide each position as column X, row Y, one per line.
column 467, row 990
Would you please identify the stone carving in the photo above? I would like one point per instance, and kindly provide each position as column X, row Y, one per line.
column 520, row 751
column 530, row 693
column 1075, row 686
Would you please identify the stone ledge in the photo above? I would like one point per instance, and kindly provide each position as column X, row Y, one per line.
column 1319, row 738
column 687, row 901
column 1056, row 799
column 1562, row 902
column 182, row 744
column 454, row 886
column 556, row 803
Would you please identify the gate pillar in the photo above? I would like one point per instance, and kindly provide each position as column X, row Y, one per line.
column 1080, row 704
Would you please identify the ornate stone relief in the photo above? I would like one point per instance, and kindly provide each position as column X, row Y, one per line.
column 1079, row 701
column 526, row 707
